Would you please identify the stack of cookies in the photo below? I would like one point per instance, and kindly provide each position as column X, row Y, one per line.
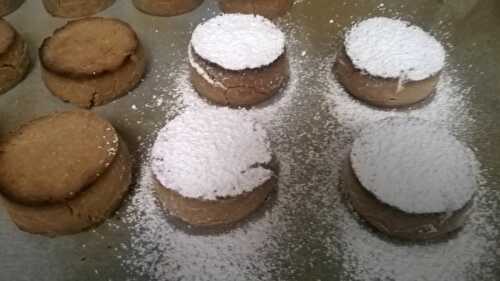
column 9, row 6
column 14, row 57
column 92, row 61
column 63, row 173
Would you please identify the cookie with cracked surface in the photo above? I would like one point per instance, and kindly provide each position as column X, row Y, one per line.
column 92, row 61
column 9, row 6
column 238, row 60
column 166, row 8
column 14, row 57
column 75, row 8
column 267, row 8
column 82, row 173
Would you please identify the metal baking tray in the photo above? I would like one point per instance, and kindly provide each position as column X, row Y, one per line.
column 307, row 232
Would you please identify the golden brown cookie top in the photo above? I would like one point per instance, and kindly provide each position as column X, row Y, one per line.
column 7, row 35
column 88, row 46
column 53, row 158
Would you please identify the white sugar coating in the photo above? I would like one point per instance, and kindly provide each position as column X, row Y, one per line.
column 202, row 72
column 311, row 126
column 212, row 153
column 238, row 42
column 391, row 48
column 414, row 166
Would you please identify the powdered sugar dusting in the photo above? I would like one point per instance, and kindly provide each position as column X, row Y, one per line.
column 448, row 107
column 414, row 166
column 307, row 233
column 367, row 256
column 202, row 72
column 162, row 251
column 238, row 42
column 466, row 256
column 211, row 153
column 391, row 48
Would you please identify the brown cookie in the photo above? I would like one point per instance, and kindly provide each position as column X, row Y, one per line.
column 7, row 36
column 87, row 209
column 54, row 158
column 14, row 57
column 223, row 211
column 166, row 7
column 267, row 8
column 238, row 88
column 75, row 8
column 92, row 61
column 378, row 91
column 396, row 223
column 9, row 6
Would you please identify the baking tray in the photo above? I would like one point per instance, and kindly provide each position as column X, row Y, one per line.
column 307, row 232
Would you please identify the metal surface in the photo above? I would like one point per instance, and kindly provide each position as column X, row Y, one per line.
column 470, row 27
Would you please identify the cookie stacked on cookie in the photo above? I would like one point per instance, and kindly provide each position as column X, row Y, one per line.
column 14, row 57
column 389, row 62
column 212, row 166
column 238, row 60
column 63, row 173
column 9, row 6
column 411, row 179
column 92, row 61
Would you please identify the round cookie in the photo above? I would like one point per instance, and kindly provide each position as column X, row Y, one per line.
column 91, row 207
column 75, row 8
column 238, row 60
column 267, row 8
column 9, row 6
column 411, row 179
column 166, row 7
column 81, row 173
column 212, row 166
column 14, row 57
column 389, row 63
column 92, row 61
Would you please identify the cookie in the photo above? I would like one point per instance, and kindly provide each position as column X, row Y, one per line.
column 166, row 7
column 14, row 57
column 238, row 60
column 389, row 63
column 417, row 184
column 92, row 61
column 9, row 6
column 75, row 8
column 212, row 166
column 80, row 174
column 267, row 8
column 223, row 211
column 89, row 208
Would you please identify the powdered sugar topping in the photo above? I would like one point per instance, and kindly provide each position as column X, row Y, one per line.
column 390, row 48
column 211, row 153
column 238, row 42
column 414, row 166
